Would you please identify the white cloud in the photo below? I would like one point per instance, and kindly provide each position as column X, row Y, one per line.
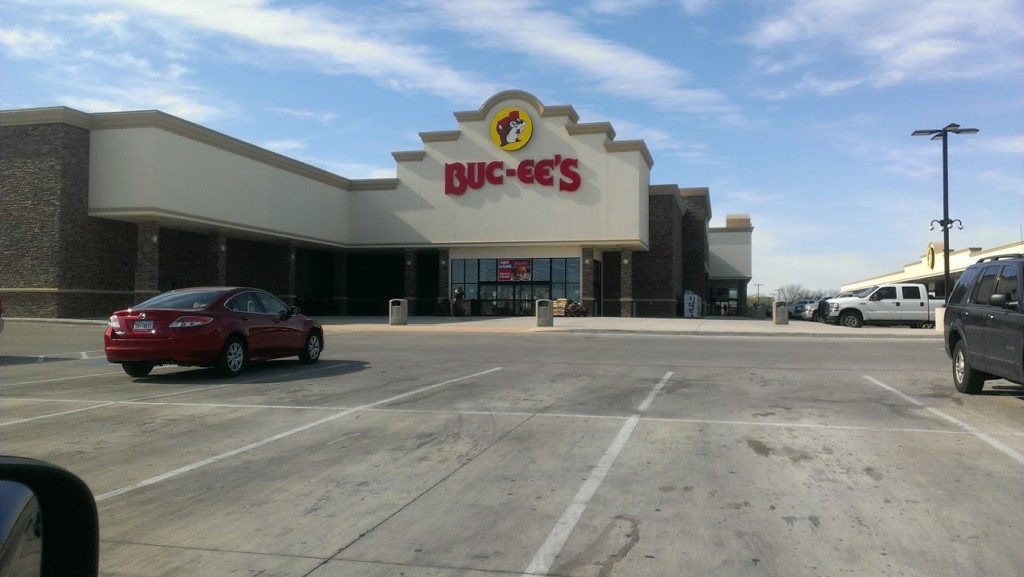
column 283, row 146
column 615, row 68
column 320, row 116
column 897, row 42
column 324, row 38
column 29, row 44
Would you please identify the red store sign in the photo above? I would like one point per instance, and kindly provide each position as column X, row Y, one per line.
column 461, row 176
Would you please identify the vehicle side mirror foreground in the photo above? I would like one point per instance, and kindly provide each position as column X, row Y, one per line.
column 294, row 311
column 66, row 519
column 999, row 300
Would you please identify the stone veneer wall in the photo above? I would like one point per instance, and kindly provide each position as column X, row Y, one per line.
column 259, row 265
column 62, row 262
column 656, row 273
column 185, row 260
column 695, row 245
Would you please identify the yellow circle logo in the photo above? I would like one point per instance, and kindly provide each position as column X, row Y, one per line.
column 511, row 129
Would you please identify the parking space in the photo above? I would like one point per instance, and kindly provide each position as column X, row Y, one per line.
column 541, row 454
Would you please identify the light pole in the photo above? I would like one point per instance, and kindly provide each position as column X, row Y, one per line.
column 945, row 223
column 758, row 285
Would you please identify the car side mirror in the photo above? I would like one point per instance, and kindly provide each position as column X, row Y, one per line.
column 293, row 311
column 70, row 524
column 999, row 300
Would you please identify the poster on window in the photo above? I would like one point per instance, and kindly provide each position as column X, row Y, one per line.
column 514, row 270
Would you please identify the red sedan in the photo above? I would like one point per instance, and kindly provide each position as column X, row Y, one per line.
column 222, row 327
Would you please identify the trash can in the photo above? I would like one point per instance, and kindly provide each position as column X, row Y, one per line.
column 545, row 313
column 399, row 312
column 780, row 313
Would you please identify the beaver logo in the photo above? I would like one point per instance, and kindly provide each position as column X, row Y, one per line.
column 511, row 129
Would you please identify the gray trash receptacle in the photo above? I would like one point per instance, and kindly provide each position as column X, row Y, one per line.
column 399, row 312
column 545, row 313
column 780, row 313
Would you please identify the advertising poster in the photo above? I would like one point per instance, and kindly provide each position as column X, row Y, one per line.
column 504, row 270
column 514, row 270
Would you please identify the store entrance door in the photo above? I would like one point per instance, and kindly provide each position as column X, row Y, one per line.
column 512, row 298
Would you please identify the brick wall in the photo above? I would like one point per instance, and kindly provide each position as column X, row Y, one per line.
column 80, row 266
column 258, row 264
column 657, row 284
column 695, row 246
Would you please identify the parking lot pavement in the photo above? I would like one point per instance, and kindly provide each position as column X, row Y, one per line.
column 539, row 454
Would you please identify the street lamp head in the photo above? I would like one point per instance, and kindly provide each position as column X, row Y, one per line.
column 965, row 131
column 924, row 132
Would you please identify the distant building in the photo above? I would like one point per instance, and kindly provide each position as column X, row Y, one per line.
column 930, row 268
column 520, row 202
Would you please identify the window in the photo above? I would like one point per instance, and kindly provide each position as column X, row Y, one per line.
column 963, row 284
column 1007, row 284
column 985, row 287
column 912, row 292
column 885, row 293
column 488, row 270
column 272, row 304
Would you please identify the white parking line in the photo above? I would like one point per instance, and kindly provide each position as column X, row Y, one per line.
column 58, row 379
column 279, row 436
column 552, row 546
column 1013, row 454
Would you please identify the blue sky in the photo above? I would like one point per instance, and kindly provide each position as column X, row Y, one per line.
column 796, row 112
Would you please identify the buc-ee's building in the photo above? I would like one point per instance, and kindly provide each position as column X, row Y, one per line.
column 520, row 202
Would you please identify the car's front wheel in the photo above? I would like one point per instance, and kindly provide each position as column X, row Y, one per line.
column 232, row 357
column 314, row 346
column 137, row 369
column 850, row 319
column 965, row 378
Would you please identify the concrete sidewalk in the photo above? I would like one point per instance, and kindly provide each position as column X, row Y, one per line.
column 735, row 326
column 732, row 326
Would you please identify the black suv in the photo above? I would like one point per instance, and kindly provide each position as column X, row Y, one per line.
column 983, row 326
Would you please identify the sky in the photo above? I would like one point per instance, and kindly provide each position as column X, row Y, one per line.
column 798, row 113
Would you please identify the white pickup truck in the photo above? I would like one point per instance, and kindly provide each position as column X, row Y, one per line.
column 887, row 304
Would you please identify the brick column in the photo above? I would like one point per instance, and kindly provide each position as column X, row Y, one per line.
column 290, row 297
column 218, row 253
column 443, row 280
column 587, row 279
column 341, row 282
column 626, row 283
column 147, row 260
column 410, row 279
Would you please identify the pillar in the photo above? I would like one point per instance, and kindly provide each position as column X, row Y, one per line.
column 626, row 308
column 410, row 280
column 147, row 260
column 218, row 253
column 587, row 295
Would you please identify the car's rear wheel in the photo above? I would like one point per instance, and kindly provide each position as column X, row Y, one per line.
column 137, row 368
column 850, row 319
column 232, row 357
column 966, row 379
column 314, row 346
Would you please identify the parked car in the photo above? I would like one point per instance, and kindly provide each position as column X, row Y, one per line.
column 983, row 326
column 810, row 311
column 796, row 308
column 888, row 304
column 222, row 327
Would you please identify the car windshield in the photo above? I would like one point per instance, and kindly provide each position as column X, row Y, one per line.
column 186, row 299
column 865, row 292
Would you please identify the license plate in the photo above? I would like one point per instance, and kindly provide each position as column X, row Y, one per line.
column 143, row 326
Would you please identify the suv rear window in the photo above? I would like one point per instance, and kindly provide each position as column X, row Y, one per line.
column 959, row 294
column 986, row 286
